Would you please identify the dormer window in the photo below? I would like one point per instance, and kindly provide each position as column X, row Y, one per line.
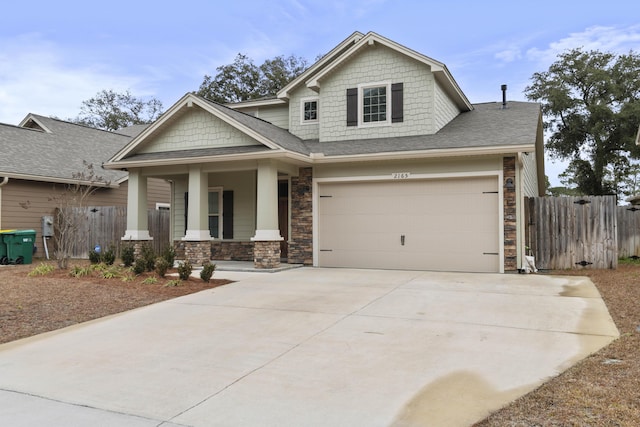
column 309, row 110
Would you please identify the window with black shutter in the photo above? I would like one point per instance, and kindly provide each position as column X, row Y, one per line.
column 376, row 104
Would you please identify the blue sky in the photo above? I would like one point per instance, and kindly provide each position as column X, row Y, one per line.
column 54, row 55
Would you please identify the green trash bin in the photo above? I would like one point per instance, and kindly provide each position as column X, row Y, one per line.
column 4, row 259
column 19, row 245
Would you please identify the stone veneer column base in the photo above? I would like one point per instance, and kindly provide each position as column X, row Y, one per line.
column 196, row 252
column 266, row 254
column 137, row 246
column 510, row 215
column 301, row 241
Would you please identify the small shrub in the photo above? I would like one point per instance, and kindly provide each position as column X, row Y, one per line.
column 127, row 277
column 169, row 254
column 110, row 273
column 41, row 270
column 149, row 256
column 139, row 266
column 150, row 280
column 94, row 257
column 99, row 268
column 174, row 282
column 184, row 270
column 207, row 271
column 128, row 255
column 109, row 256
column 77, row 271
column 161, row 266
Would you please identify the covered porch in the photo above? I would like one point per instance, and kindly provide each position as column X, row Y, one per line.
column 230, row 211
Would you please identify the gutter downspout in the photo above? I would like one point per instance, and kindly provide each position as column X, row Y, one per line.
column 5, row 180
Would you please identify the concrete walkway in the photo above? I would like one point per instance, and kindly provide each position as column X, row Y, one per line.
column 310, row 347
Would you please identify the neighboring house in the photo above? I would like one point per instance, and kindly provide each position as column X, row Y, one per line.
column 41, row 155
column 372, row 158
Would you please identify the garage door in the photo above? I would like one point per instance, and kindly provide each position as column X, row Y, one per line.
column 446, row 225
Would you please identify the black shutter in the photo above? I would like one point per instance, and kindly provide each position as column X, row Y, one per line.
column 186, row 210
column 227, row 214
column 352, row 107
column 397, row 101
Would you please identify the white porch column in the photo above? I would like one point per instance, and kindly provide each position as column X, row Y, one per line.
column 137, row 216
column 198, row 209
column 267, row 203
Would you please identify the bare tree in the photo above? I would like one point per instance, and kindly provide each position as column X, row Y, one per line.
column 69, row 216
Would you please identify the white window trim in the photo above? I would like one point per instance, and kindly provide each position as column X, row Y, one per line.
column 361, row 87
column 163, row 206
column 302, row 102
column 220, row 207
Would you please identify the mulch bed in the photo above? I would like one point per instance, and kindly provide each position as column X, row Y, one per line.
column 33, row 305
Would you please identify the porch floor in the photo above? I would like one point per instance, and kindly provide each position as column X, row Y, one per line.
column 248, row 266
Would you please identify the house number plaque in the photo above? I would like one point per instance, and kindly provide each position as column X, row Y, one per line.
column 401, row 175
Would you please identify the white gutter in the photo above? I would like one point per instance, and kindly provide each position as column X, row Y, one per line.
column 272, row 154
column 320, row 158
column 422, row 154
column 53, row 180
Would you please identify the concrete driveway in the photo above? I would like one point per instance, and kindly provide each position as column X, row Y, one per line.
column 310, row 347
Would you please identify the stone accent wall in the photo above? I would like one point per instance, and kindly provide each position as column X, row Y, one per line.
column 137, row 246
column 301, row 240
column 510, row 215
column 232, row 251
column 266, row 254
column 197, row 253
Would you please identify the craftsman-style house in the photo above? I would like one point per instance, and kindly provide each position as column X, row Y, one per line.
column 372, row 158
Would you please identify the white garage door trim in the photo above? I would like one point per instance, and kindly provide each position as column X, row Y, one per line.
column 498, row 174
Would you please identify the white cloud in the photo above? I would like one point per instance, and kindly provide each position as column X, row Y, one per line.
column 510, row 54
column 609, row 39
column 35, row 77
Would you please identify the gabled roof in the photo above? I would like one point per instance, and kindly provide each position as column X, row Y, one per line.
column 274, row 138
column 133, row 130
column 357, row 42
column 52, row 150
column 327, row 59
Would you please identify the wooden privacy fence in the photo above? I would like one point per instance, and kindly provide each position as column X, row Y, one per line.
column 105, row 226
column 628, row 232
column 572, row 232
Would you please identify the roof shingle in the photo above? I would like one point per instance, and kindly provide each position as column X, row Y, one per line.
column 59, row 154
